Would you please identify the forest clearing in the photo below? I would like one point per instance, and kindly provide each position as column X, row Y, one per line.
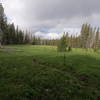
column 38, row 72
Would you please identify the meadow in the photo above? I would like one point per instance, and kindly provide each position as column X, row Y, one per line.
column 39, row 73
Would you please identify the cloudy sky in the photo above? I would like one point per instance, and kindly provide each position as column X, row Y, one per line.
column 49, row 18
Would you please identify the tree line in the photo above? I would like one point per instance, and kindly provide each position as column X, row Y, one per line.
column 12, row 35
column 89, row 37
column 9, row 34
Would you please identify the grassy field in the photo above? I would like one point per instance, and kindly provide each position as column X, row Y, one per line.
column 39, row 73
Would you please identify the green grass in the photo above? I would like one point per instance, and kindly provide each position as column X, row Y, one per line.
column 38, row 73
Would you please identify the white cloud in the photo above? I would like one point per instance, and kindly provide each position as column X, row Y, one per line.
column 48, row 36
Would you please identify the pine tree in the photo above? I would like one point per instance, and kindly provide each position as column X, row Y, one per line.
column 97, row 43
column 3, row 23
column 8, row 33
column 62, row 45
column 26, row 38
column 86, row 32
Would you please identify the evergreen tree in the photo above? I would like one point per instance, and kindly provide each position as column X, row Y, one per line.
column 86, row 33
column 3, row 24
column 26, row 38
column 97, row 43
column 62, row 45
column 8, row 33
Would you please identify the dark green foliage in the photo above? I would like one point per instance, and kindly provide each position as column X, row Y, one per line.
column 10, row 34
column 14, row 36
column 69, row 49
column 62, row 45
column 26, row 38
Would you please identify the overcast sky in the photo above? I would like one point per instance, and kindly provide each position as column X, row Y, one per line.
column 50, row 18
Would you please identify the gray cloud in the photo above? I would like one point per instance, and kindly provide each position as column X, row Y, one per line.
column 56, row 9
column 53, row 14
